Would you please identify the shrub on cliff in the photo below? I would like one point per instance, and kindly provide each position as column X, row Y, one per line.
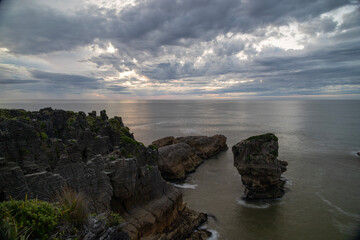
column 74, row 206
column 21, row 217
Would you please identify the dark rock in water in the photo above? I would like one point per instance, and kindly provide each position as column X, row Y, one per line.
column 358, row 153
column 176, row 160
column 178, row 156
column 42, row 151
column 165, row 142
column 204, row 146
column 256, row 160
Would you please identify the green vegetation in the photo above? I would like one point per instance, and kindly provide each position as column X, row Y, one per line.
column 12, row 114
column 24, row 150
column 73, row 205
column 127, row 140
column 149, row 167
column 153, row 147
column 117, row 126
column 21, row 217
column 42, row 125
column 43, row 135
column 114, row 219
column 266, row 137
column 71, row 118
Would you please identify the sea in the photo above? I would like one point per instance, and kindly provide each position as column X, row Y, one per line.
column 318, row 138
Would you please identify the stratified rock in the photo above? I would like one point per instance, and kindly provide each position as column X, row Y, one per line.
column 165, row 141
column 204, row 146
column 256, row 160
column 98, row 157
column 176, row 160
column 178, row 156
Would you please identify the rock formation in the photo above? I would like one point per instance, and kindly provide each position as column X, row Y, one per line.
column 97, row 156
column 176, row 160
column 256, row 160
column 178, row 156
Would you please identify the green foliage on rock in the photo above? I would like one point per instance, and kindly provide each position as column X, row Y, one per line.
column 43, row 135
column 114, row 219
column 39, row 216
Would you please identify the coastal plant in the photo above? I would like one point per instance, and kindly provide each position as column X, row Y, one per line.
column 9, row 229
column 43, row 135
column 74, row 206
column 114, row 219
column 34, row 218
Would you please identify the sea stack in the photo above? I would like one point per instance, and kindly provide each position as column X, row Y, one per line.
column 256, row 161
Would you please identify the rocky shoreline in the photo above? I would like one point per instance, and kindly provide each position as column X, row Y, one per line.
column 41, row 152
column 44, row 150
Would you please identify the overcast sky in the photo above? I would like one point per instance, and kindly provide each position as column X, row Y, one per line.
column 179, row 49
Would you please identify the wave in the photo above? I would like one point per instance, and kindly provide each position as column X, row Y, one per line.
column 261, row 205
column 354, row 153
column 148, row 124
column 185, row 185
column 214, row 234
column 340, row 210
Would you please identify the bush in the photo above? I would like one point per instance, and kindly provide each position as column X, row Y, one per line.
column 73, row 205
column 18, row 217
column 43, row 135
column 9, row 230
column 114, row 219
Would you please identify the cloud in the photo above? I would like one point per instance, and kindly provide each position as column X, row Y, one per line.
column 161, row 47
column 68, row 80
column 11, row 81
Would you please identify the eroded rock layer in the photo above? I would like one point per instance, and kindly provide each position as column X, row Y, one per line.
column 42, row 151
column 256, row 160
column 178, row 156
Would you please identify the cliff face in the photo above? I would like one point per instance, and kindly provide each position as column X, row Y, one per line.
column 256, row 160
column 42, row 151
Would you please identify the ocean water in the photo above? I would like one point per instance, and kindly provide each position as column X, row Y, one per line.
column 319, row 139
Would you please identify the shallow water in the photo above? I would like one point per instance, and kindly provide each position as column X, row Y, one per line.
column 319, row 140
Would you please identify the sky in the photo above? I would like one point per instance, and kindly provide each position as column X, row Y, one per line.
column 179, row 49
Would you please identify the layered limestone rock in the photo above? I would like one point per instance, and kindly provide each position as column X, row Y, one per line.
column 256, row 160
column 176, row 160
column 178, row 156
column 42, row 151
column 206, row 147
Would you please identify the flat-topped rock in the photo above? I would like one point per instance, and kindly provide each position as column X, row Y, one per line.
column 204, row 146
column 176, row 160
column 179, row 156
column 256, row 160
column 165, row 141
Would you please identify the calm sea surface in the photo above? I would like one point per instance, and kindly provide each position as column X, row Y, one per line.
column 319, row 140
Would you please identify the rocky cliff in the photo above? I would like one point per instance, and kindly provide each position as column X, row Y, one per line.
column 42, row 151
column 256, row 160
column 178, row 156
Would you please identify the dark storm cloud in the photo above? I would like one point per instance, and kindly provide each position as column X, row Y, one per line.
column 29, row 28
column 153, row 36
column 68, row 80
column 11, row 81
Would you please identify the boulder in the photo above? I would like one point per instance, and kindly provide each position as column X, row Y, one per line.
column 256, row 160
column 205, row 147
column 176, row 160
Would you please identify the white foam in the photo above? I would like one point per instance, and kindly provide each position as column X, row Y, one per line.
column 214, row 234
column 253, row 205
column 185, row 185
column 340, row 210
column 354, row 153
